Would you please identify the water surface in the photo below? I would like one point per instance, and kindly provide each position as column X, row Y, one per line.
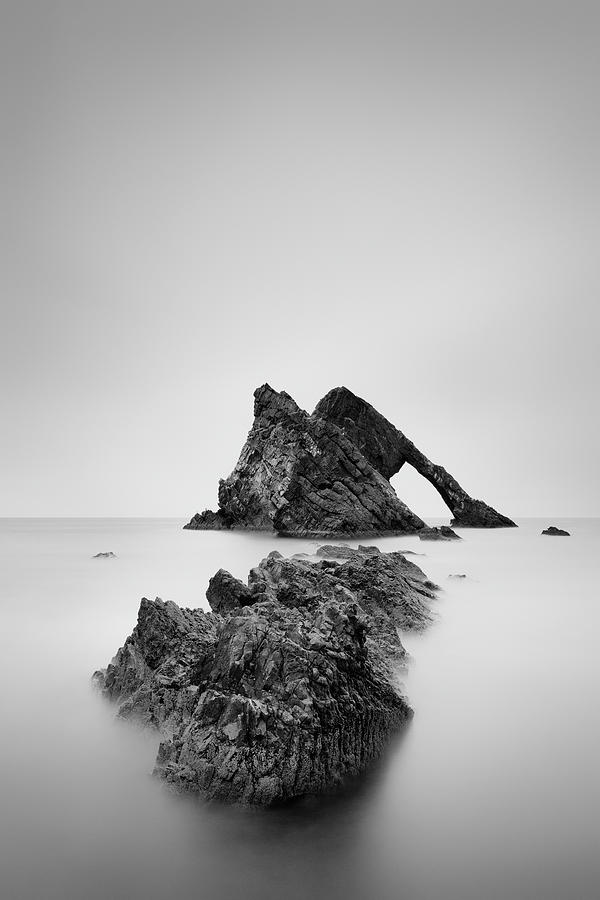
column 491, row 793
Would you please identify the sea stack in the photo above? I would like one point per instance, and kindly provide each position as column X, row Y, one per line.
column 301, row 476
column 388, row 450
column 327, row 474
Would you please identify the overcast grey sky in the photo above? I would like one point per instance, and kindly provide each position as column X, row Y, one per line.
column 200, row 197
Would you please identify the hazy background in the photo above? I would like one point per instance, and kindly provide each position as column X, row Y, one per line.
column 200, row 197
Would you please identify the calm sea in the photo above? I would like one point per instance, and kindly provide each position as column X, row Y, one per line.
column 491, row 793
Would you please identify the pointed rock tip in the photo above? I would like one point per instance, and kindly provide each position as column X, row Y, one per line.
column 340, row 391
column 266, row 397
column 340, row 399
column 264, row 389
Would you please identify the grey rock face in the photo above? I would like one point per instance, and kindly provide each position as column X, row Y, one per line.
column 557, row 532
column 376, row 438
column 441, row 533
column 288, row 689
column 301, row 476
column 328, row 474
column 109, row 555
column 154, row 674
column 388, row 449
column 210, row 521
column 225, row 593
column 341, row 551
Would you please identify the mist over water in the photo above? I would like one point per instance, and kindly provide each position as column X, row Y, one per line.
column 490, row 793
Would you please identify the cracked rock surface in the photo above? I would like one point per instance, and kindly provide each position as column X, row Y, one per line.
column 388, row 449
column 300, row 475
column 439, row 533
column 327, row 474
column 288, row 687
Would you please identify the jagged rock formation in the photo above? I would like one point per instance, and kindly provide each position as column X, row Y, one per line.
column 328, row 474
column 108, row 555
column 210, row 521
column 301, row 476
column 288, row 687
column 153, row 675
column 387, row 449
column 439, row 533
column 558, row 532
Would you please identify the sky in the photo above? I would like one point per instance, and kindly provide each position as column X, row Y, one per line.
column 199, row 197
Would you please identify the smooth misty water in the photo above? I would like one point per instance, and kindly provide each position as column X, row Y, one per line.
column 491, row 793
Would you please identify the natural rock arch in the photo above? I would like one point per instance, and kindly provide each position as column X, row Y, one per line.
column 328, row 473
column 388, row 449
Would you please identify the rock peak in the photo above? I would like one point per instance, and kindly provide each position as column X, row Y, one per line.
column 268, row 401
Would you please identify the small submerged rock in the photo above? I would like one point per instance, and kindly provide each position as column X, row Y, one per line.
column 108, row 555
column 288, row 687
column 552, row 529
column 457, row 576
column 341, row 551
column 441, row 533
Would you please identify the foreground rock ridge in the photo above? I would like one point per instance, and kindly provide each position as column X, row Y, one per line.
column 288, row 687
column 327, row 474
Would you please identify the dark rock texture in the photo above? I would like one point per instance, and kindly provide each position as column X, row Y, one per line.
column 441, row 533
column 210, row 521
column 327, row 474
column 553, row 530
column 225, row 593
column 289, row 687
column 108, row 555
column 301, row 476
column 376, row 438
column 341, row 551
column 387, row 449
column 154, row 674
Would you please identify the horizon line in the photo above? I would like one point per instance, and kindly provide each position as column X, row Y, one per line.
column 187, row 517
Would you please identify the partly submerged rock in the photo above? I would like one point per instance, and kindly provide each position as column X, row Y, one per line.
column 457, row 576
column 288, row 688
column 109, row 555
column 299, row 474
column 552, row 529
column 327, row 474
column 439, row 533
column 209, row 521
